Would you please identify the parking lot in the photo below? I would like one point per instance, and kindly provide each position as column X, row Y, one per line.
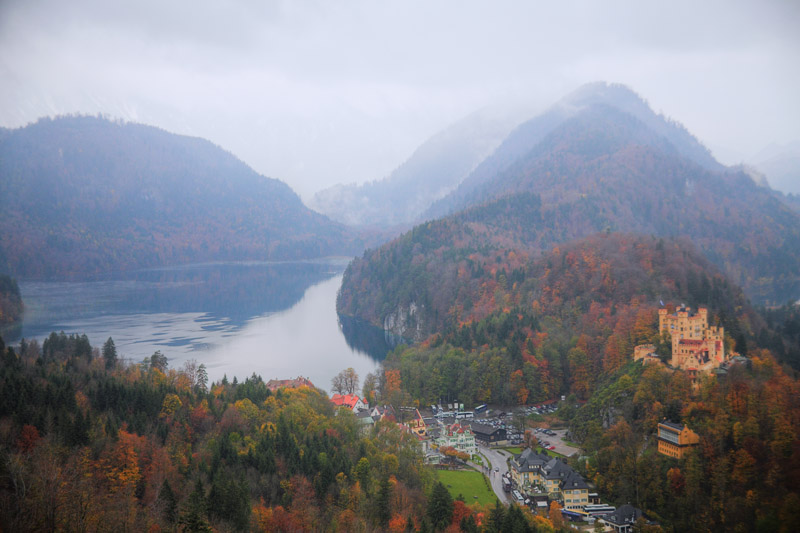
column 553, row 439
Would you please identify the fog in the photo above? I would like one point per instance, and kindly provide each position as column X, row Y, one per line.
column 316, row 93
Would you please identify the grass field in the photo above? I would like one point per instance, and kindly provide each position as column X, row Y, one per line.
column 468, row 483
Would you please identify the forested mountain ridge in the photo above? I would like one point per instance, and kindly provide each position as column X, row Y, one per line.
column 434, row 169
column 603, row 169
column 84, row 194
column 490, row 313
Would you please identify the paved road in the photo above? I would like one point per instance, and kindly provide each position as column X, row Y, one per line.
column 498, row 460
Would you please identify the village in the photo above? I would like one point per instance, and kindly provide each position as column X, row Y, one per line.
column 527, row 465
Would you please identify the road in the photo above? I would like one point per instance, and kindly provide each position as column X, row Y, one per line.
column 498, row 460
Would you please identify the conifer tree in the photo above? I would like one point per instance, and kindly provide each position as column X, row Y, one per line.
column 440, row 507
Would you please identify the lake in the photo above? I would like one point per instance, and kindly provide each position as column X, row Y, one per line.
column 277, row 320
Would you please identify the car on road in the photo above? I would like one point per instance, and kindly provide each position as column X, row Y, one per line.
column 551, row 447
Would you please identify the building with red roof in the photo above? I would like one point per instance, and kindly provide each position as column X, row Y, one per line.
column 351, row 401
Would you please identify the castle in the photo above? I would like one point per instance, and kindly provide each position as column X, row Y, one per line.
column 696, row 346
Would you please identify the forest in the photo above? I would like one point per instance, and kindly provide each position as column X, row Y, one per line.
column 91, row 443
column 522, row 331
column 11, row 305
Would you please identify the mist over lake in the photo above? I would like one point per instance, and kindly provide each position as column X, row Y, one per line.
column 275, row 319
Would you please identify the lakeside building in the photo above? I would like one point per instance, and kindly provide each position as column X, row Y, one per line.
column 300, row 381
column 674, row 440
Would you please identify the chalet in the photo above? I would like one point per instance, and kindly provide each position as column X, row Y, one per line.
column 623, row 519
column 457, row 436
column 351, row 401
column 675, row 439
column 417, row 424
column 300, row 381
column 489, row 434
column 383, row 411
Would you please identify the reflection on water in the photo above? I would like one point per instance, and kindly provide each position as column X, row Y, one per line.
column 367, row 338
column 277, row 320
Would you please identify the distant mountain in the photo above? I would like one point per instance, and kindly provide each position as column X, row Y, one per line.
column 600, row 170
column 781, row 165
column 84, row 194
column 526, row 138
column 432, row 171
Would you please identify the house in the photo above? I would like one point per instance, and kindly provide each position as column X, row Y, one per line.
column 675, row 439
column 383, row 411
column 351, row 401
column 300, row 381
column 457, row 436
column 537, row 473
column 489, row 434
column 417, row 424
column 365, row 421
column 623, row 519
column 575, row 492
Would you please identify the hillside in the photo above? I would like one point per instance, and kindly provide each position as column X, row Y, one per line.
column 604, row 169
column 10, row 301
column 84, row 194
column 562, row 321
column 431, row 172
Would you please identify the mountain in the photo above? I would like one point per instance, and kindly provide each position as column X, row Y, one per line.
column 528, row 135
column 604, row 169
column 85, row 194
column 432, row 171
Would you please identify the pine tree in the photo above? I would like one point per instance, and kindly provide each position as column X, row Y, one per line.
column 440, row 507
column 167, row 498
column 384, row 502
column 110, row 353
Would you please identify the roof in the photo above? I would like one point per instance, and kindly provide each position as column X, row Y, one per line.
column 347, row 400
column 625, row 514
column 300, row 381
column 485, row 429
column 672, row 425
column 574, row 481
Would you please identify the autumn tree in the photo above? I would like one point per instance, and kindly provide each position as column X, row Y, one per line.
column 555, row 515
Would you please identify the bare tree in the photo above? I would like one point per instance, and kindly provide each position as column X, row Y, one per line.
column 345, row 382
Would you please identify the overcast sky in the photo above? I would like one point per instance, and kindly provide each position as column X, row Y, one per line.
column 316, row 93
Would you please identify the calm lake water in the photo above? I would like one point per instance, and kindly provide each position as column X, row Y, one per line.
column 277, row 320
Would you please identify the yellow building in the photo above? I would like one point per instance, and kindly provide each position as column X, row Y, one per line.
column 533, row 473
column 675, row 439
column 695, row 345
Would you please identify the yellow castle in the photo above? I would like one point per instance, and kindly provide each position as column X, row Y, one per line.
column 696, row 346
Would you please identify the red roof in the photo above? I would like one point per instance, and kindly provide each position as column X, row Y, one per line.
column 349, row 400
